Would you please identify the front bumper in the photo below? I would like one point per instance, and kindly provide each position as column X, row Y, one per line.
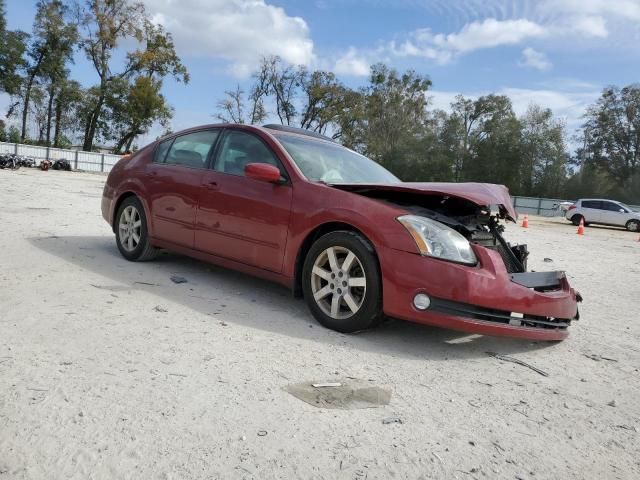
column 484, row 299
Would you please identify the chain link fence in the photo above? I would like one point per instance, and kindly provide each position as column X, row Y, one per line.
column 87, row 161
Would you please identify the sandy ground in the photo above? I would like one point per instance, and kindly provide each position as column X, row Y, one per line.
column 98, row 381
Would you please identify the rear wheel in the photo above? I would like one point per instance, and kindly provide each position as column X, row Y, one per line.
column 633, row 225
column 576, row 219
column 131, row 231
column 341, row 282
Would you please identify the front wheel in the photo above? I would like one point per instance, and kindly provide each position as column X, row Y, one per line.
column 341, row 282
column 633, row 225
column 131, row 231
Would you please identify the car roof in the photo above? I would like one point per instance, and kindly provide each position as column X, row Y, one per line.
column 597, row 200
column 273, row 129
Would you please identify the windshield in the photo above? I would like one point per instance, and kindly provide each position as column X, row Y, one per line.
column 322, row 161
column 627, row 207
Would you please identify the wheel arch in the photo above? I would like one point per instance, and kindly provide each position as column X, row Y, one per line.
column 310, row 239
column 121, row 198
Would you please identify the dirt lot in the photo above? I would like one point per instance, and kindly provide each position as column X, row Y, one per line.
column 110, row 370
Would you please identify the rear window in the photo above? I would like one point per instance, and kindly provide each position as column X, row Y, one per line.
column 592, row 204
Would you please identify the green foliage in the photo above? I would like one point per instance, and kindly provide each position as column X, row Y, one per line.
column 13, row 134
column 12, row 48
column 107, row 24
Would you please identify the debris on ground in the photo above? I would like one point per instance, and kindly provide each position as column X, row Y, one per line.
column 178, row 279
column 350, row 395
column 62, row 164
column 597, row 358
column 262, row 433
column 507, row 358
column 548, row 260
column 326, row 384
column 387, row 421
column 158, row 308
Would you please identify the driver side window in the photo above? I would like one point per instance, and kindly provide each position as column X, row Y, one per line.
column 239, row 149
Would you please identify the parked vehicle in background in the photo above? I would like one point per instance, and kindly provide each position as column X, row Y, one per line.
column 604, row 212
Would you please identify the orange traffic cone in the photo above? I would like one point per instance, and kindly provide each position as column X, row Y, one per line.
column 581, row 227
column 525, row 221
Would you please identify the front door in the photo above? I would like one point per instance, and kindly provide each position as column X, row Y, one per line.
column 174, row 178
column 240, row 218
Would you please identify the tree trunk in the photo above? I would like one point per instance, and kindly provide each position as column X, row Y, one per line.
column 58, row 128
column 90, row 131
column 27, row 96
column 50, row 112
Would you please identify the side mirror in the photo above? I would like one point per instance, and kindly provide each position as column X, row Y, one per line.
column 621, row 210
column 263, row 172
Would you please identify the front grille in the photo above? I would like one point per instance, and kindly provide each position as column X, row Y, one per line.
column 509, row 262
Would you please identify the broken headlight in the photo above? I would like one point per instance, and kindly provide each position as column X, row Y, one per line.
column 437, row 240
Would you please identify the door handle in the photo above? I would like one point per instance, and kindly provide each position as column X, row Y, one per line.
column 212, row 185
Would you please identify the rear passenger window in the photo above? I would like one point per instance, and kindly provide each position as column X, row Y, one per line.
column 192, row 149
column 161, row 151
column 592, row 204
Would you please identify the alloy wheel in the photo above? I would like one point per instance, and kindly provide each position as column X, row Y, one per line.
column 130, row 228
column 338, row 282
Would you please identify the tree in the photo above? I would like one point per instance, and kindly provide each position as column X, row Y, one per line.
column 107, row 23
column 231, row 109
column 12, row 48
column 135, row 108
column 611, row 134
column 67, row 103
column 544, row 154
column 392, row 117
column 51, row 48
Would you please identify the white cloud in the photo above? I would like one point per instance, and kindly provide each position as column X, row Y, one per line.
column 488, row 33
column 534, row 59
column 241, row 31
column 628, row 9
column 352, row 63
column 594, row 26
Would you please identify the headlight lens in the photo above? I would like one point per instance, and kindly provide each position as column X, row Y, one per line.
column 437, row 240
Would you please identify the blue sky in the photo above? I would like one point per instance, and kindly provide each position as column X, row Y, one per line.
column 558, row 53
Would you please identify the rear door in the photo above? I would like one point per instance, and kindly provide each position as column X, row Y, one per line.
column 241, row 218
column 174, row 179
column 591, row 210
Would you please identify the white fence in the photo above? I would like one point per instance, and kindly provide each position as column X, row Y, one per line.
column 89, row 161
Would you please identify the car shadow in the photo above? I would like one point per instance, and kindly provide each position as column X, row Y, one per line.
column 243, row 300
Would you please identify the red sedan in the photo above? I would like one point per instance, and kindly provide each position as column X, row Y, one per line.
column 294, row 207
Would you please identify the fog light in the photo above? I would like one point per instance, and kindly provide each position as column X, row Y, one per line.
column 421, row 301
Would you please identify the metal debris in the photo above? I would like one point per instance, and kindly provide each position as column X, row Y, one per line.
column 507, row 358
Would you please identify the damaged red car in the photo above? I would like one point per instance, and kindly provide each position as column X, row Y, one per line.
column 338, row 229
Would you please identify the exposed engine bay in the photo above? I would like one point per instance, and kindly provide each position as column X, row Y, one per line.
column 476, row 223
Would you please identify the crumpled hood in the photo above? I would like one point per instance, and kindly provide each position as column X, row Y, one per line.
column 484, row 194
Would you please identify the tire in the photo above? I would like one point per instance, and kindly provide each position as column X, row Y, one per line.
column 127, row 230
column 633, row 225
column 576, row 219
column 354, row 301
